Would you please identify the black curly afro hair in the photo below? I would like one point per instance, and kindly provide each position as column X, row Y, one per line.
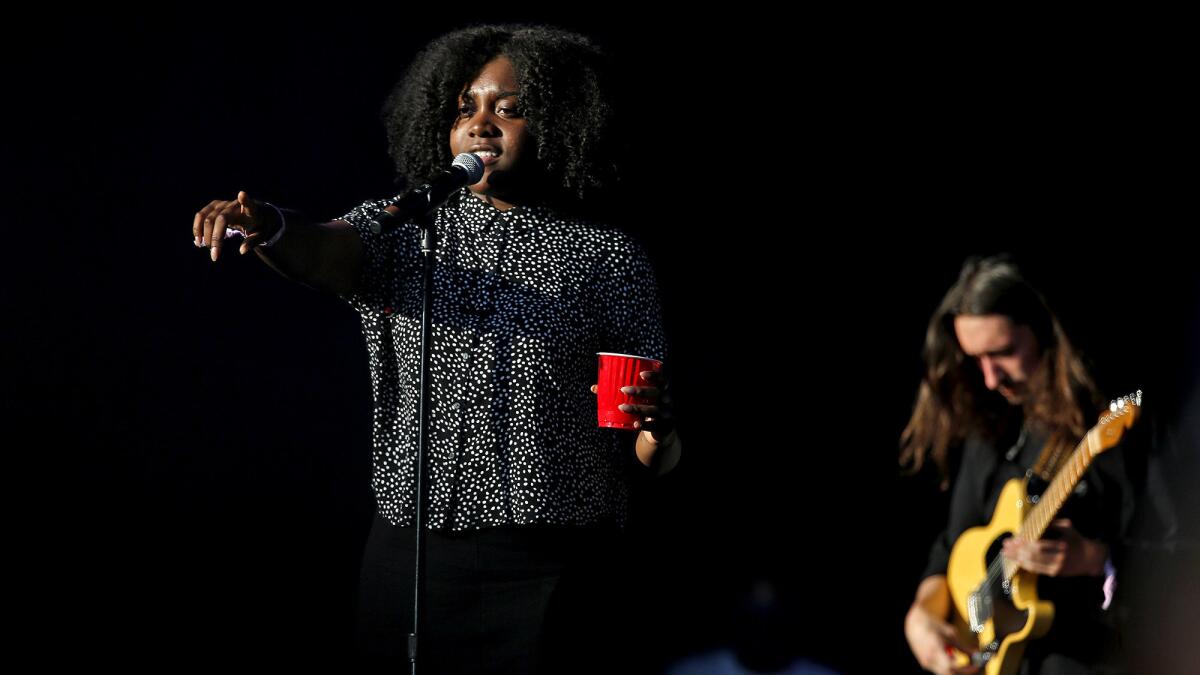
column 568, row 110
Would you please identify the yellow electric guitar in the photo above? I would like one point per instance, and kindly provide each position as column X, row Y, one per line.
column 996, row 603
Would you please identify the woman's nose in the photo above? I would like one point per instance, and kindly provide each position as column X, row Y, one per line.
column 483, row 125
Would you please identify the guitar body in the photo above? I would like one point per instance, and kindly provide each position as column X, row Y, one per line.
column 1015, row 614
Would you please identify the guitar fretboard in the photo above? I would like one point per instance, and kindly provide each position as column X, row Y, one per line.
column 1098, row 439
column 1048, row 505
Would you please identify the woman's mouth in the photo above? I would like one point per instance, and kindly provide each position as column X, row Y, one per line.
column 489, row 157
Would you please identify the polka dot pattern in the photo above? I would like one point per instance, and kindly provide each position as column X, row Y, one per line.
column 524, row 299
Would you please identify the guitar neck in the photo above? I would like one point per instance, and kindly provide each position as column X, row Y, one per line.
column 1051, row 501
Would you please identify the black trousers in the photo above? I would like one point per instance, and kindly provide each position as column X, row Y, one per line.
column 502, row 600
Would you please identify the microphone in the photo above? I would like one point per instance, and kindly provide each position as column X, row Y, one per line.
column 467, row 169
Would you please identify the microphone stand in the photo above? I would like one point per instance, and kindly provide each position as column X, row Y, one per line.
column 428, row 258
column 419, row 206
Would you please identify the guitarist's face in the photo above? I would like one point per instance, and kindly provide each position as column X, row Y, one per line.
column 1006, row 353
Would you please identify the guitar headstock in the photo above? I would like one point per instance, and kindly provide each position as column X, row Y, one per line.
column 1121, row 415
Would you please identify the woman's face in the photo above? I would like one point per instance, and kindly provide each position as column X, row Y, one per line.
column 490, row 124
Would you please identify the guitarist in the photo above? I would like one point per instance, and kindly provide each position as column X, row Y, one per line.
column 1005, row 390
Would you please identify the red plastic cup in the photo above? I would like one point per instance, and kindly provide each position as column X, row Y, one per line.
column 616, row 371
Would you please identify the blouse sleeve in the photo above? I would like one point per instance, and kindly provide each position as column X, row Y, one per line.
column 388, row 258
column 628, row 298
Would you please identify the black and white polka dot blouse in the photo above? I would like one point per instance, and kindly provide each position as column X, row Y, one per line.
column 524, row 300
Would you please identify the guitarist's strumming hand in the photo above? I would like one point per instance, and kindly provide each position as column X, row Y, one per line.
column 933, row 641
column 1066, row 554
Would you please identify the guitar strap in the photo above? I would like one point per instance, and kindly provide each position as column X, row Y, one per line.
column 1053, row 454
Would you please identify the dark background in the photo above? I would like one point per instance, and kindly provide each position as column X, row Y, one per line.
column 191, row 441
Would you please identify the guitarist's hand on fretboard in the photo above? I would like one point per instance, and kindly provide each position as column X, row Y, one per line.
column 1066, row 554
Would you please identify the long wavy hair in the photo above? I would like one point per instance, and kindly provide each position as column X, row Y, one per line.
column 952, row 400
column 564, row 99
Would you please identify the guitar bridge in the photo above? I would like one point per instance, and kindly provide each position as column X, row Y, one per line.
column 979, row 610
